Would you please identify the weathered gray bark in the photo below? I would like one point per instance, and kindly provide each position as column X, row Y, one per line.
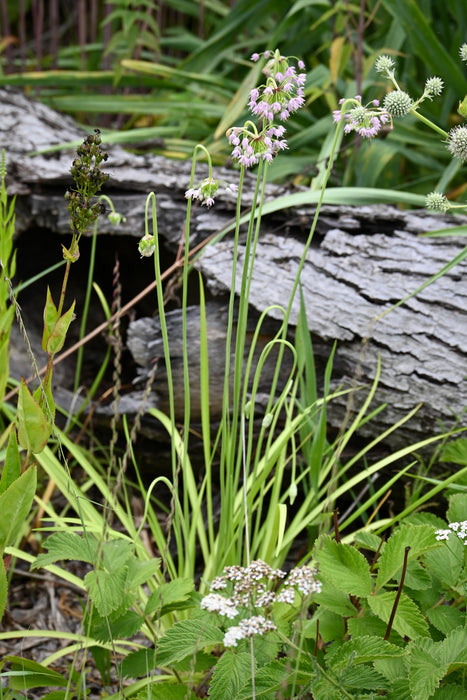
column 363, row 260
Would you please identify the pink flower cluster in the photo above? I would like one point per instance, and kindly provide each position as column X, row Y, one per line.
column 281, row 95
column 250, row 148
column 365, row 120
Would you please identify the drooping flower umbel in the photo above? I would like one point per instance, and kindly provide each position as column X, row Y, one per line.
column 271, row 104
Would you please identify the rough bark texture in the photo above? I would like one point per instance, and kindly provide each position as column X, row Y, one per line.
column 363, row 260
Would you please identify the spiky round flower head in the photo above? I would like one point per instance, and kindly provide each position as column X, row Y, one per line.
column 433, row 86
column 397, row 103
column 463, row 52
column 457, row 142
column 365, row 120
column 437, row 201
column 384, row 64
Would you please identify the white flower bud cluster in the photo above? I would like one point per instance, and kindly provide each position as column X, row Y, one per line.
column 249, row 588
column 459, row 528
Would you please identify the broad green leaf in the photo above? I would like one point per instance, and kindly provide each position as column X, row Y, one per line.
column 167, row 690
column 425, row 670
column 140, row 572
column 115, row 554
column 107, row 589
column 450, row 691
column 367, row 540
column 12, row 466
column 408, row 621
column 67, row 545
column 331, row 624
column 124, row 627
column 167, row 593
column 363, row 677
column 138, row 663
column 455, row 451
column 363, row 650
column 57, row 334
column 457, row 511
column 50, row 319
column 3, row 588
column 30, row 674
column 344, row 566
column 232, row 672
column 447, row 562
column 33, row 428
column 333, row 599
column 453, row 649
column 15, row 504
column 416, row 577
column 420, row 539
column 185, row 638
column 394, row 668
column 271, row 678
column 446, row 618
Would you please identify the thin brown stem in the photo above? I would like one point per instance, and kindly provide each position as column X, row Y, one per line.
column 398, row 595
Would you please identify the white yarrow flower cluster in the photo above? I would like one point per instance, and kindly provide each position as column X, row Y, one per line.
column 255, row 588
column 459, row 528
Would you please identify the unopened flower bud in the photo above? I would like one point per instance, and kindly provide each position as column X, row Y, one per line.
column 436, row 201
column 397, row 103
column 146, row 246
column 457, row 142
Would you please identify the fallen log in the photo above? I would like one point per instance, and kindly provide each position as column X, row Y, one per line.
column 363, row 260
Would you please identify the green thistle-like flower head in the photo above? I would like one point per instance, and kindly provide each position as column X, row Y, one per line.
column 436, row 201
column 384, row 64
column 463, row 52
column 433, row 86
column 457, row 142
column 397, row 103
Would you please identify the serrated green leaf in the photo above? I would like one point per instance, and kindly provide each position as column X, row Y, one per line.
column 363, row 677
column 364, row 650
column 453, row 649
column 447, row 562
column 416, row 577
column 408, row 621
column 335, row 600
column 445, row 618
column 107, row 589
column 344, row 566
column 67, row 545
column 12, row 466
column 15, row 504
column 272, row 677
column 33, row 428
column 457, row 508
column 232, row 672
column 450, row 691
column 176, row 591
column 138, row 663
column 115, row 554
column 140, row 572
column 368, row 625
column 455, row 451
column 367, row 540
column 425, row 671
column 420, row 539
column 122, row 628
column 185, row 638
column 331, row 625
column 394, row 669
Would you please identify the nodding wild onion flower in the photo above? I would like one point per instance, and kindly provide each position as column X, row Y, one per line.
column 257, row 586
column 207, row 189
column 365, row 120
column 280, row 96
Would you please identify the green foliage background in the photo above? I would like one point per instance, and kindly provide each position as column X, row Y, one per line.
column 168, row 75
